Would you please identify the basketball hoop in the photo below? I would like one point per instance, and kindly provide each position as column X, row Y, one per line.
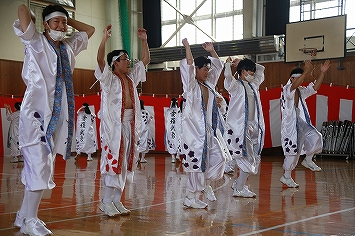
column 309, row 51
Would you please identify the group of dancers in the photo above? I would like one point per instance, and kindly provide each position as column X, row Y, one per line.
column 207, row 139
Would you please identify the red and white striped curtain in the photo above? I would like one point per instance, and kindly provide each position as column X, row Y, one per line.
column 330, row 103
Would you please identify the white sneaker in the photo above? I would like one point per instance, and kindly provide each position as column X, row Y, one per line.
column 209, row 194
column 35, row 227
column 14, row 160
column 121, row 208
column 193, row 203
column 311, row 165
column 245, row 192
column 109, row 209
column 143, row 160
column 19, row 220
column 20, row 158
column 289, row 182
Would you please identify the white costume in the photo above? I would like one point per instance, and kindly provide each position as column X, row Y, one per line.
column 172, row 130
column 39, row 74
column 120, row 128
column 297, row 132
column 197, row 133
column 12, row 137
column 86, row 136
column 245, row 128
column 146, row 140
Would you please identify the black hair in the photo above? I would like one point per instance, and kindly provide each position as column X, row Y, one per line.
column 174, row 102
column 86, row 108
column 52, row 8
column 17, row 106
column 110, row 55
column 246, row 64
column 142, row 104
column 297, row 70
column 201, row 61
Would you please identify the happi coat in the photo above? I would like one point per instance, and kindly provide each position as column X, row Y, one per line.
column 172, row 118
column 194, row 124
column 110, row 115
column 146, row 140
column 237, row 120
column 86, row 135
column 12, row 136
column 39, row 73
column 289, row 132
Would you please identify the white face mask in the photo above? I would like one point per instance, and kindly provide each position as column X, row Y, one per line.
column 56, row 35
column 249, row 77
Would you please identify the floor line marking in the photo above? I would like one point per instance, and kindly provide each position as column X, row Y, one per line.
column 298, row 221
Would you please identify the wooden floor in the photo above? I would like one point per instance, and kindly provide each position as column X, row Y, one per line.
column 324, row 204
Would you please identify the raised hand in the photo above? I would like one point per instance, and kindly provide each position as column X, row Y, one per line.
column 142, row 34
column 107, row 32
column 235, row 62
column 325, row 66
column 308, row 66
column 185, row 42
column 208, row 46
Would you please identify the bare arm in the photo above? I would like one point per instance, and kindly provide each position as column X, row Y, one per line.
column 101, row 51
column 24, row 16
column 306, row 72
column 142, row 35
column 208, row 46
column 80, row 26
column 323, row 68
column 189, row 57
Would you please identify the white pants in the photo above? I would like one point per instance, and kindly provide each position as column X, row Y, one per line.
column 310, row 139
column 215, row 167
column 119, row 180
column 37, row 173
column 251, row 162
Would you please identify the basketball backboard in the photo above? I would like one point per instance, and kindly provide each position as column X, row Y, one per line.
column 327, row 35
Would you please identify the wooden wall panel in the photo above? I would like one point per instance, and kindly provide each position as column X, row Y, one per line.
column 161, row 83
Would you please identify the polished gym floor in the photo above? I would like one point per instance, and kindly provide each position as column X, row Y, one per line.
column 324, row 204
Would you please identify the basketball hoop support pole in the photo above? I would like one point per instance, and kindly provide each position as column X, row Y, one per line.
column 340, row 64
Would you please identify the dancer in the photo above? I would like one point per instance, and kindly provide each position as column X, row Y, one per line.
column 245, row 126
column 86, row 136
column 12, row 136
column 120, row 115
column 173, row 129
column 297, row 132
column 146, row 140
column 203, row 159
column 48, row 104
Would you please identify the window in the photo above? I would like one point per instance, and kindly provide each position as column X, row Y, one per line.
column 210, row 22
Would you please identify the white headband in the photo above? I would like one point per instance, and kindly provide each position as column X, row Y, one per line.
column 54, row 14
column 114, row 58
column 296, row 75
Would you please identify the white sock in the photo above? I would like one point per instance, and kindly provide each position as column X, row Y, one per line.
column 308, row 158
column 33, row 199
column 117, row 194
column 108, row 194
column 241, row 179
column 287, row 174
